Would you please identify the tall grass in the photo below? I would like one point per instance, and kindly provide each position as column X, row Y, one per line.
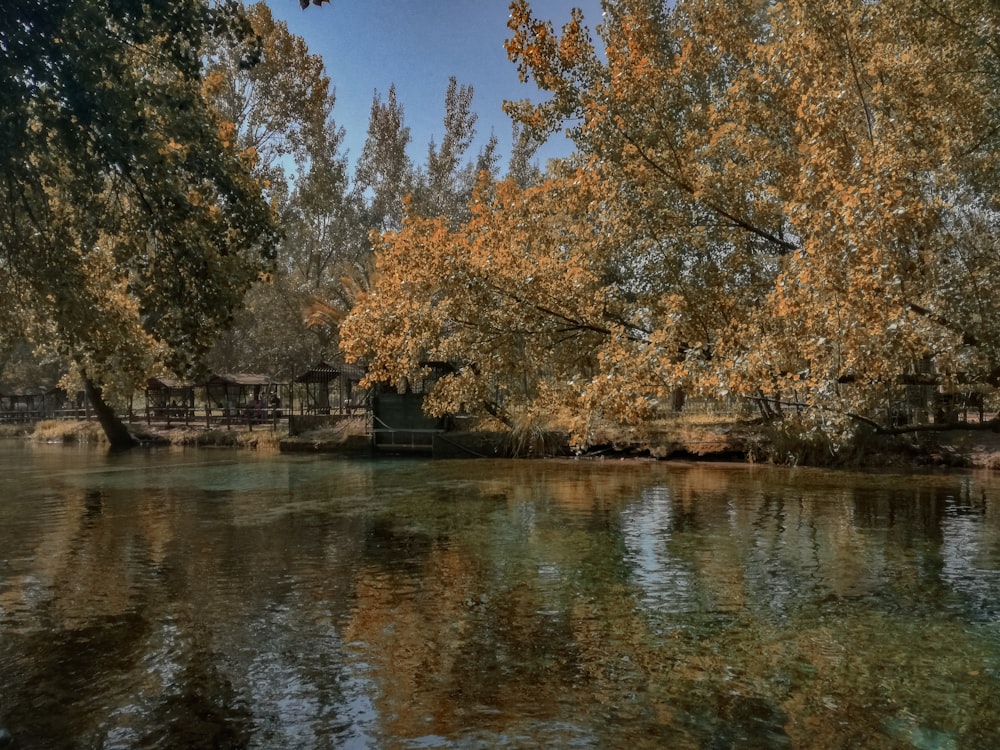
column 15, row 430
column 63, row 431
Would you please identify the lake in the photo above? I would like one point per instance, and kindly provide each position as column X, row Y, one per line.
column 218, row 599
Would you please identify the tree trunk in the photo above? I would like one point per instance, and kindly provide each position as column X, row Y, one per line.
column 117, row 433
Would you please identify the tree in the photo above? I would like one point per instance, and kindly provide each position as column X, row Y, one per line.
column 793, row 171
column 520, row 168
column 131, row 225
column 383, row 178
column 281, row 109
column 444, row 186
column 785, row 199
column 386, row 181
column 384, row 173
column 280, row 106
column 504, row 299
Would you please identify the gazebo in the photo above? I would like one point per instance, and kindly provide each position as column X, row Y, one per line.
column 24, row 405
column 320, row 397
column 169, row 399
column 63, row 405
column 241, row 397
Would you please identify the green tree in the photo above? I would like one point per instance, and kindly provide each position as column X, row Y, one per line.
column 524, row 144
column 281, row 109
column 383, row 178
column 132, row 227
column 444, row 186
column 384, row 173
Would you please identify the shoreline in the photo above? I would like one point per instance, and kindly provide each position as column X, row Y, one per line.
column 722, row 442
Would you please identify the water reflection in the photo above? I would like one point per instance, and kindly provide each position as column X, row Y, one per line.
column 215, row 599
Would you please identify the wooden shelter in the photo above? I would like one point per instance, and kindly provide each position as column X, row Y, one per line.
column 329, row 388
column 398, row 418
column 63, row 405
column 241, row 397
column 23, row 405
column 170, row 399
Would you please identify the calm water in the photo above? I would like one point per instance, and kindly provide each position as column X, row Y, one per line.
column 212, row 599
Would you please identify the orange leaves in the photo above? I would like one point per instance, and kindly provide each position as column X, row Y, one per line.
column 227, row 133
column 768, row 187
column 510, row 295
column 533, row 45
column 171, row 147
column 575, row 44
column 213, row 84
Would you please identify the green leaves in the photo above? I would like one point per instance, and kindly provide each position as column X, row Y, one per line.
column 132, row 226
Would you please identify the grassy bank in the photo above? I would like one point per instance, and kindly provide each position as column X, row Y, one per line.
column 90, row 433
column 685, row 437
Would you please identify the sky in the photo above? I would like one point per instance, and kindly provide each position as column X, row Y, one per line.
column 368, row 45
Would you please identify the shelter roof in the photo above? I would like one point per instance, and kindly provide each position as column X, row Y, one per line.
column 352, row 372
column 240, row 379
column 167, row 384
column 323, row 372
column 9, row 391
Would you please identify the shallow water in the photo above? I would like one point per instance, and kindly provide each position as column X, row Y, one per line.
column 215, row 599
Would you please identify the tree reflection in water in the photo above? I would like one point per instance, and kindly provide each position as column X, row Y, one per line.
column 178, row 599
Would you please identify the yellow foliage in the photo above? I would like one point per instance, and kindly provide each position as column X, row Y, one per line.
column 776, row 198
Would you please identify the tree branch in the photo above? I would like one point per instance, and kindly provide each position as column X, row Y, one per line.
column 744, row 224
column 990, row 424
column 967, row 338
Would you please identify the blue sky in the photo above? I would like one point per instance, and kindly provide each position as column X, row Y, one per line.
column 417, row 45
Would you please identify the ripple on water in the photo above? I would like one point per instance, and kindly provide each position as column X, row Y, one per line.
column 166, row 601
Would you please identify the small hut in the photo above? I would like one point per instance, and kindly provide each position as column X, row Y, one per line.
column 22, row 405
column 329, row 388
column 398, row 413
column 60, row 404
column 169, row 399
column 6, row 410
column 239, row 397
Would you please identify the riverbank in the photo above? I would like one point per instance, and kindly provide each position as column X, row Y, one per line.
column 689, row 440
column 90, row 433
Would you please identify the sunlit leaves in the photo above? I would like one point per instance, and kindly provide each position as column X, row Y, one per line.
column 504, row 299
column 792, row 200
column 784, row 183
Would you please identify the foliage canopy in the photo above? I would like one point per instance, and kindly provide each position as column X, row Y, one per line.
column 795, row 200
column 131, row 223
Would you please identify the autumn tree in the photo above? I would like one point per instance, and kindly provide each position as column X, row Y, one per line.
column 503, row 299
column 783, row 180
column 793, row 171
column 793, row 201
column 131, row 225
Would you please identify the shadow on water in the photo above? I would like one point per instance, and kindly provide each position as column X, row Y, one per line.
column 203, row 711
column 203, row 600
column 47, row 698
